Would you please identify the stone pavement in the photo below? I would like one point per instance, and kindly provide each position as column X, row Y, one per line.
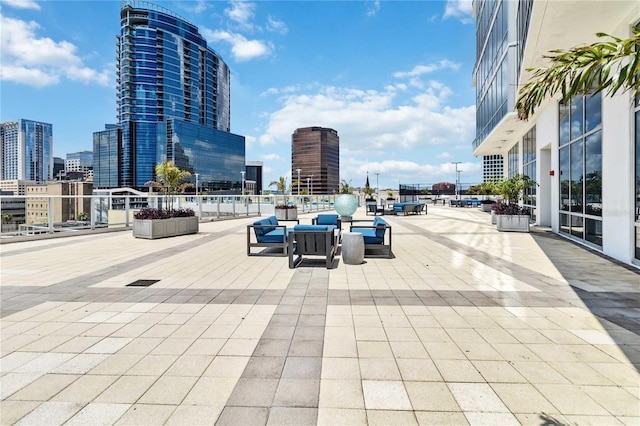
column 465, row 325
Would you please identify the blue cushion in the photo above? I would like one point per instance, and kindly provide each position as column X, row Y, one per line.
column 369, row 235
column 263, row 231
column 275, row 236
column 312, row 227
column 327, row 219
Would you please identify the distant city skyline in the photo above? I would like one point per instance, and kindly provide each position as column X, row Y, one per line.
column 392, row 78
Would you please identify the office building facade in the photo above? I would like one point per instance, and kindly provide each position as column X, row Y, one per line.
column 26, row 150
column 253, row 181
column 315, row 151
column 588, row 190
column 173, row 104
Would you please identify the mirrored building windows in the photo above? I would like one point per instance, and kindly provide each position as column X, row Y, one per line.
column 580, row 157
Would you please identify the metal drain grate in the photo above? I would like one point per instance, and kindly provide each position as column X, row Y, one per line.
column 142, row 283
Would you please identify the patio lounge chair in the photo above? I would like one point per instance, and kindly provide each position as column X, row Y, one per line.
column 312, row 240
column 375, row 234
column 269, row 233
column 327, row 219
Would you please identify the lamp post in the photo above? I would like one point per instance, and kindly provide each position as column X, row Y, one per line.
column 242, row 188
column 457, row 176
column 457, row 186
column 197, row 176
column 311, row 192
column 308, row 178
column 298, row 170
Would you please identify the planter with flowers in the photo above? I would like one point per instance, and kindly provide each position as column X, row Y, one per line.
column 511, row 216
column 284, row 210
column 153, row 223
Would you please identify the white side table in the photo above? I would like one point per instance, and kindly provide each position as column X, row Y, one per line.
column 352, row 248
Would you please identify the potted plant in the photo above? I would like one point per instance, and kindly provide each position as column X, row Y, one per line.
column 284, row 210
column 152, row 222
column 346, row 203
column 509, row 215
column 487, row 188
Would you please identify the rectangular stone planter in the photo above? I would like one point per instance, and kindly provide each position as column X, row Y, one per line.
column 512, row 223
column 162, row 228
column 286, row 214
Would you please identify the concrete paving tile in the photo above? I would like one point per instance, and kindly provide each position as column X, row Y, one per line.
column 85, row 389
column 537, row 419
column 13, row 382
column 301, row 368
column 239, row 347
column 306, row 348
column 189, row 365
column 374, row 350
column 617, row 401
column 45, row 363
column 109, row 345
column 443, row 418
column 211, row 391
column 498, row 371
column 538, row 372
column 81, row 364
column 477, row 397
column 98, row 414
column 385, row 395
column 341, row 416
column 481, row 419
column 297, row 393
column 272, row 347
column 458, row 371
column 389, row 417
column 146, row 414
column 570, row 399
column 345, row 394
column 408, row 349
column 597, row 420
column 523, row 398
column 227, row 366
column 17, row 359
column 264, row 367
column 126, row 389
column 431, row 396
column 168, row 390
column 196, row 415
column 444, row 350
column 152, row 365
column 12, row 411
column 172, row 346
column 292, row 416
column 379, row 369
column 116, row 364
column 418, row 370
column 44, row 387
column 243, row 416
column 254, row 393
column 50, row 413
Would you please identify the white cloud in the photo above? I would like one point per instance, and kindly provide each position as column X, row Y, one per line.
column 419, row 70
column 444, row 155
column 272, row 157
column 276, row 26
column 370, row 121
column 241, row 12
column 22, row 4
column 374, row 8
column 41, row 61
column 197, row 8
column 461, row 9
column 242, row 49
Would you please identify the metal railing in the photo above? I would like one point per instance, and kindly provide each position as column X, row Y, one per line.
column 46, row 215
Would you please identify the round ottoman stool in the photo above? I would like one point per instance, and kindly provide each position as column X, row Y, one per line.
column 352, row 248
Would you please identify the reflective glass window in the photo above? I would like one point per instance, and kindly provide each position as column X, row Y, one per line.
column 593, row 174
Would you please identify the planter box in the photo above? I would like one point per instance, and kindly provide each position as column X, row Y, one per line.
column 161, row 228
column 512, row 223
column 286, row 214
column 486, row 207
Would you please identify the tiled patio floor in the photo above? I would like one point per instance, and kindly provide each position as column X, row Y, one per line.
column 464, row 325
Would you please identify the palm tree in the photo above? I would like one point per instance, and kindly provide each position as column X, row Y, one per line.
column 281, row 185
column 606, row 66
column 169, row 178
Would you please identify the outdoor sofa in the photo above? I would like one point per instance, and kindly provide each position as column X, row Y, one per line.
column 408, row 207
column 376, row 235
column 312, row 240
column 268, row 233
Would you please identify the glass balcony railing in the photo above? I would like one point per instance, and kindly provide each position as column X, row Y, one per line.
column 33, row 216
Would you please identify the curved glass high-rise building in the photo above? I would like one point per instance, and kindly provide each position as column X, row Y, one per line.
column 168, row 81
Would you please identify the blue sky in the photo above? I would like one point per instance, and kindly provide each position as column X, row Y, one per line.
column 394, row 78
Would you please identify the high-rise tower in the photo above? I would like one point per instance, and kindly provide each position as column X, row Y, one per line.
column 26, row 150
column 315, row 151
column 173, row 102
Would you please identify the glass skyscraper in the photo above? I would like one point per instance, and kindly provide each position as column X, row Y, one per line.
column 26, row 150
column 168, row 81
